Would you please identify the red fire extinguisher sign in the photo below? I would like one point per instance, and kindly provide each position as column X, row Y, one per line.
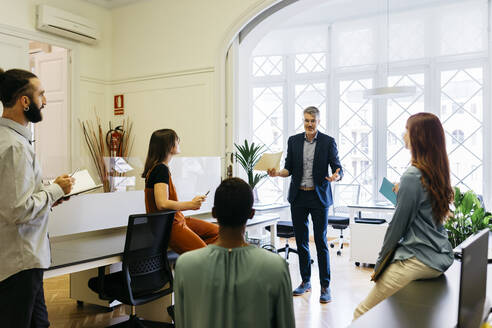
column 119, row 106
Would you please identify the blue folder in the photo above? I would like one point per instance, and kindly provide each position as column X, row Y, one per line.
column 387, row 191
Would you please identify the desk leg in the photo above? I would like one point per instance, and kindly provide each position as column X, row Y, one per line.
column 273, row 234
column 80, row 291
column 352, row 213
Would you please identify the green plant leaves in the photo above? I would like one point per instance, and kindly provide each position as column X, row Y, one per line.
column 248, row 155
column 468, row 217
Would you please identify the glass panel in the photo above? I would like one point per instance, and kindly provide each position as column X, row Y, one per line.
column 355, row 42
column 309, row 63
column 399, row 109
column 462, row 27
column 407, row 37
column 462, row 115
column 270, row 190
column 268, row 130
column 267, row 66
column 356, row 136
column 312, row 94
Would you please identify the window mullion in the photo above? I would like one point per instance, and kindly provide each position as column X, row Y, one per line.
column 380, row 107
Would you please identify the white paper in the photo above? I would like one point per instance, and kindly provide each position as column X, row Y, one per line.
column 269, row 161
column 118, row 164
column 121, row 166
column 121, row 183
column 83, row 183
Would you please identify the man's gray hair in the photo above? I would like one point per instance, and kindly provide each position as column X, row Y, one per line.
column 311, row 110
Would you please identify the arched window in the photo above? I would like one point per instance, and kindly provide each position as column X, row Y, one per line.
column 321, row 56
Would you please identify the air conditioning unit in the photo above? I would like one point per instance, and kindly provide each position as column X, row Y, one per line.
column 64, row 23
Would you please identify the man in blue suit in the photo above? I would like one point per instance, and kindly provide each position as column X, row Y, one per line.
column 308, row 156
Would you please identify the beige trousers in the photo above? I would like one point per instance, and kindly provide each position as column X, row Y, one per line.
column 396, row 276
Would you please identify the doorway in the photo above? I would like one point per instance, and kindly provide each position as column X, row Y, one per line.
column 52, row 136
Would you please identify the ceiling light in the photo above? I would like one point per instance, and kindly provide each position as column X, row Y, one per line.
column 387, row 91
column 390, row 92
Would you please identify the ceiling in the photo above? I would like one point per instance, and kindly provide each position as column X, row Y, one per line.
column 110, row 4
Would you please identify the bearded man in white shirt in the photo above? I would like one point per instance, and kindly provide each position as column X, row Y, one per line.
column 25, row 204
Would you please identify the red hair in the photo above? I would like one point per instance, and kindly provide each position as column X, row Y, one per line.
column 428, row 147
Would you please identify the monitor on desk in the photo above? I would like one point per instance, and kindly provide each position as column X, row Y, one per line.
column 473, row 280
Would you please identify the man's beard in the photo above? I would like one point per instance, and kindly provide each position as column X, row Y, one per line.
column 33, row 113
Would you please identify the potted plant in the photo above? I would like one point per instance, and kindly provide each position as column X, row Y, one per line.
column 248, row 155
column 468, row 217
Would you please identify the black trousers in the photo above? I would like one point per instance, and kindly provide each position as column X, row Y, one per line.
column 22, row 301
column 307, row 202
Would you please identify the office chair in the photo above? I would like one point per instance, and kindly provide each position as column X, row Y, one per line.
column 343, row 195
column 285, row 230
column 145, row 270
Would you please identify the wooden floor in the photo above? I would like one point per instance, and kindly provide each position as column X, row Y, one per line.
column 349, row 285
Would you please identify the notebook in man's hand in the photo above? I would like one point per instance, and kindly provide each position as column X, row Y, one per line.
column 83, row 183
column 384, row 264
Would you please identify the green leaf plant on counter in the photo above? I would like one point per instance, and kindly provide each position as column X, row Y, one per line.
column 468, row 217
column 248, row 155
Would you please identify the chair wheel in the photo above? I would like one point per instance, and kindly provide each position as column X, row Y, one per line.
column 332, row 245
column 339, row 253
column 357, row 263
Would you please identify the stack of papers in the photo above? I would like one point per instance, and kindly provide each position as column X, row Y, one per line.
column 269, row 161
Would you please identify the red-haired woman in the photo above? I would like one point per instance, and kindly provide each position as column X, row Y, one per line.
column 416, row 232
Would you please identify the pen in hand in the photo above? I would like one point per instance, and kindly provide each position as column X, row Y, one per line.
column 71, row 175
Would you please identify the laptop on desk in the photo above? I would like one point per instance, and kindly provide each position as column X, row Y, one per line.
column 473, row 280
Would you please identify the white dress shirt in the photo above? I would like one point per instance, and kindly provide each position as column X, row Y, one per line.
column 24, row 203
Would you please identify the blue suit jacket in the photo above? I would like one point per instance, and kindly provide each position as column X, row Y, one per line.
column 325, row 154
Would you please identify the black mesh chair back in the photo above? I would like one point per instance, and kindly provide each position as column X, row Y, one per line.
column 145, row 263
column 146, row 274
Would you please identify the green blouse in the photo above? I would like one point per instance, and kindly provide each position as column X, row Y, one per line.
column 240, row 287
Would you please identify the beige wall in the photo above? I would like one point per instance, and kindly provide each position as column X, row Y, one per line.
column 94, row 60
column 167, row 57
column 168, row 60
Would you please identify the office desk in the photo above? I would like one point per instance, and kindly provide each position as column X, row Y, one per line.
column 91, row 250
column 86, row 251
column 366, row 239
column 80, row 255
column 424, row 304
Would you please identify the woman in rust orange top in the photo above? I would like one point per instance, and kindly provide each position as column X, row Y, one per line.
column 160, row 194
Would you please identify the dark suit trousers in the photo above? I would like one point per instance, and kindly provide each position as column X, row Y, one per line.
column 307, row 202
column 22, row 300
